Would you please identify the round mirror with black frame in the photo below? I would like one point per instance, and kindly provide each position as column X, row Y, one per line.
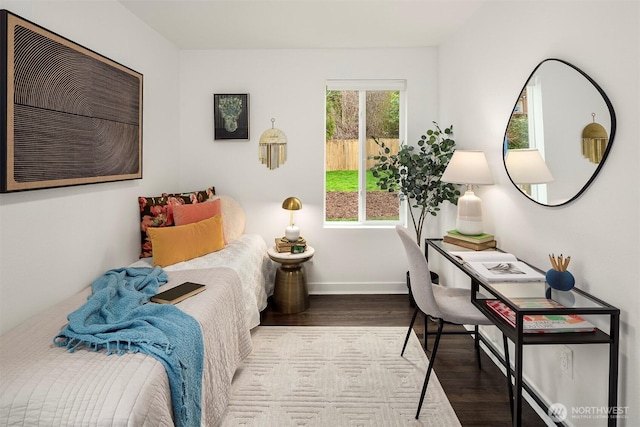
column 559, row 134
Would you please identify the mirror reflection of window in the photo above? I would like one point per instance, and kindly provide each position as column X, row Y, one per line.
column 518, row 128
column 526, row 130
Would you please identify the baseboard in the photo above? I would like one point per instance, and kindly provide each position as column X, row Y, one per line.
column 341, row 288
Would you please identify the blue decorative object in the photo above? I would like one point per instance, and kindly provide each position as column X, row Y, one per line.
column 560, row 280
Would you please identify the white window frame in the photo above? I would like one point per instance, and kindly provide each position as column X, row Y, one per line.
column 363, row 85
column 536, row 131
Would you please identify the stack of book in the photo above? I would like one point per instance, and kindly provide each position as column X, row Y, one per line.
column 476, row 242
column 284, row 245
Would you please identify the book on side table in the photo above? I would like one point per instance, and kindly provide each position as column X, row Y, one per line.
column 284, row 245
column 179, row 293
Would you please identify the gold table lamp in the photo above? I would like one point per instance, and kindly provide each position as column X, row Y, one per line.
column 292, row 232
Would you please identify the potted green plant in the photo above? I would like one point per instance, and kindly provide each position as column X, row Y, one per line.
column 414, row 174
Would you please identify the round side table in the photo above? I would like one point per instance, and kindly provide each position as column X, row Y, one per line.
column 290, row 294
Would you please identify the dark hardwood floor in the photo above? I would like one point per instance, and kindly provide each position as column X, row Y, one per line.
column 478, row 396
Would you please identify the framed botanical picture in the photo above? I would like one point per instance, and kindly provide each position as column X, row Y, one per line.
column 231, row 116
column 69, row 115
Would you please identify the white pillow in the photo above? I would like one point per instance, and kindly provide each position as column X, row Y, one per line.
column 233, row 218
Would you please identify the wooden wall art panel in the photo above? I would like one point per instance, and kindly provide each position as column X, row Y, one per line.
column 70, row 116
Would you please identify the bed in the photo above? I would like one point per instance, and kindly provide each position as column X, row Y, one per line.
column 247, row 255
column 42, row 384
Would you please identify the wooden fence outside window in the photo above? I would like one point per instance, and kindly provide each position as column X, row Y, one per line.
column 342, row 154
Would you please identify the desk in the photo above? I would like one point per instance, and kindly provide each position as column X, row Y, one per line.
column 574, row 301
column 291, row 294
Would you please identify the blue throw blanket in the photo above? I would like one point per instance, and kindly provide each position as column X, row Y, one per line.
column 116, row 317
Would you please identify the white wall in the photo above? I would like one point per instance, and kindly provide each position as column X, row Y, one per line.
column 288, row 85
column 483, row 69
column 55, row 242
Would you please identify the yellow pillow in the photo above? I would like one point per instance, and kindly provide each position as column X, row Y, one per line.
column 184, row 242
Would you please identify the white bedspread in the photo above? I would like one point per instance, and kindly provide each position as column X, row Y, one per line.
column 41, row 384
column 247, row 255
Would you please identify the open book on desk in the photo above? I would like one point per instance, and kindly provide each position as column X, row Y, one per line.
column 495, row 266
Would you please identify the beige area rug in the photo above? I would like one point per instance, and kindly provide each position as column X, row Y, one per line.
column 335, row 376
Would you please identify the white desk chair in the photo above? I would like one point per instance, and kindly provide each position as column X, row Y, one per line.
column 447, row 305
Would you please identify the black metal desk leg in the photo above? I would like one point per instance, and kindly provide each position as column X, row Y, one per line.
column 476, row 339
column 517, row 401
column 507, row 366
column 613, row 370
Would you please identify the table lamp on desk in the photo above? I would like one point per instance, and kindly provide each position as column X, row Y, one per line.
column 469, row 168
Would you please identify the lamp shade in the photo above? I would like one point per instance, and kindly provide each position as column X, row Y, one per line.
column 292, row 204
column 468, row 167
column 526, row 166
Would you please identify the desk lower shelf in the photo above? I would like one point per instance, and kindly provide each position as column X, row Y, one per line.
column 596, row 337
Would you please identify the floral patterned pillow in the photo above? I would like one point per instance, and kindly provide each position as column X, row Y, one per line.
column 158, row 212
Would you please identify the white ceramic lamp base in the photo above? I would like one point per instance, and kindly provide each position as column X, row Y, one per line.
column 469, row 220
column 292, row 233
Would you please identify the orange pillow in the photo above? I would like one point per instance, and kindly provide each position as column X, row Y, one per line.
column 184, row 242
column 188, row 214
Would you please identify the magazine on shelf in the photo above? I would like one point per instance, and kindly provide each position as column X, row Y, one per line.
column 541, row 323
column 495, row 266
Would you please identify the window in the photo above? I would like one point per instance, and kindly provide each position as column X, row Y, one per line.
column 526, row 130
column 359, row 112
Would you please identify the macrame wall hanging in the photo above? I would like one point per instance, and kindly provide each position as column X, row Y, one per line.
column 273, row 147
column 594, row 141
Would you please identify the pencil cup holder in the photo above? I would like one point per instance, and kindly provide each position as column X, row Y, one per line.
column 560, row 280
